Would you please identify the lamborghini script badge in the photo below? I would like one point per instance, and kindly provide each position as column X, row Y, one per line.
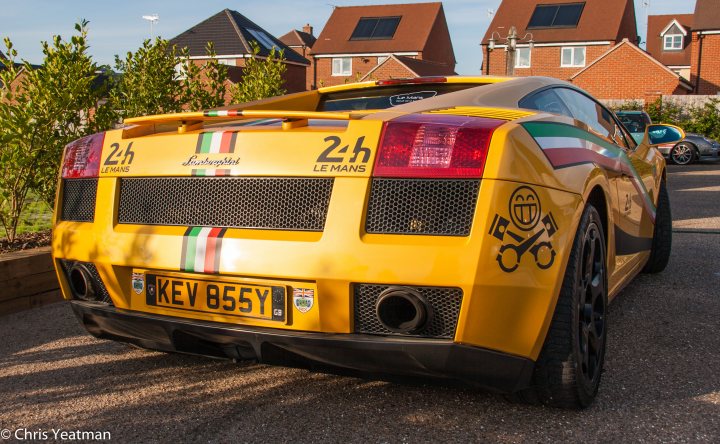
column 303, row 299
column 525, row 212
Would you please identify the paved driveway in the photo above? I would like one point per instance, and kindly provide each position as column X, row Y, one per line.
column 661, row 383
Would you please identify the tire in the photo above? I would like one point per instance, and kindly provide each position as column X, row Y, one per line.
column 662, row 235
column 684, row 153
column 568, row 370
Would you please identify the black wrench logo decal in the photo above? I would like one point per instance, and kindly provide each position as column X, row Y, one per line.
column 511, row 252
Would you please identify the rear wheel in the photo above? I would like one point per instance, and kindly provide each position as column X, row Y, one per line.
column 567, row 373
column 662, row 235
column 683, row 153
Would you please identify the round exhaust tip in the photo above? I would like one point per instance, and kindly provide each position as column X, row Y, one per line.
column 403, row 310
column 81, row 283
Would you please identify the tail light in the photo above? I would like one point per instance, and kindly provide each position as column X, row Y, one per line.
column 82, row 157
column 434, row 146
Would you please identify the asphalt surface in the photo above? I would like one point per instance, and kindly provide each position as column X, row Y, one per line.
column 661, row 380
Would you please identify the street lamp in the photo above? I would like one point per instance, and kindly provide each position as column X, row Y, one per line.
column 511, row 41
column 152, row 18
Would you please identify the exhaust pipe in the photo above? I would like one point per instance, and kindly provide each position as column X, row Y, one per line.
column 403, row 310
column 82, row 283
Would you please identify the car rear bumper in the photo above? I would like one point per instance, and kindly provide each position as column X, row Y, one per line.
column 368, row 354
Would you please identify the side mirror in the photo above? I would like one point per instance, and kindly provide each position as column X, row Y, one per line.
column 663, row 134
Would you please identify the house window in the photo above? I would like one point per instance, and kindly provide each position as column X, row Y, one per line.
column 673, row 42
column 522, row 58
column 566, row 15
column 228, row 62
column 342, row 66
column 573, row 57
column 375, row 28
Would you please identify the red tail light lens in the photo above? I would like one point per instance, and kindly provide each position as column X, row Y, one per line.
column 82, row 157
column 434, row 147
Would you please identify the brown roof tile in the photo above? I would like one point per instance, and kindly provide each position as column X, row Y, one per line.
column 230, row 33
column 707, row 15
column 412, row 32
column 298, row 38
column 601, row 20
column 654, row 42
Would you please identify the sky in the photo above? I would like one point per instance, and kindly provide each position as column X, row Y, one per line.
column 117, row 27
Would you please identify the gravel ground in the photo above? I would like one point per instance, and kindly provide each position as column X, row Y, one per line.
column 660, row 383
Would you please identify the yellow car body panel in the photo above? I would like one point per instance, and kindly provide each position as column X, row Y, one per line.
column 509, row 286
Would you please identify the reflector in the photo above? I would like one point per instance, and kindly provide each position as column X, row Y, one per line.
column 82, row 157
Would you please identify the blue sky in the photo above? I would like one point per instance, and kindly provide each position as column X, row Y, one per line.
column 117, row 27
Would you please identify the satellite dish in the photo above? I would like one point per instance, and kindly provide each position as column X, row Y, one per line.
column 490, row 12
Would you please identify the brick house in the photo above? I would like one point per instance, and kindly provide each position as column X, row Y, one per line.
column 403, row 67
column 359, row 39
column 705, row 48
column 302, row 41
column 567, row 35
column 627, row 72
column 231, row 34
column 669, row 39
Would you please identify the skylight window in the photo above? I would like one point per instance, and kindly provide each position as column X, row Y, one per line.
column 262, row 38
column 375, row 28
column 566, row 15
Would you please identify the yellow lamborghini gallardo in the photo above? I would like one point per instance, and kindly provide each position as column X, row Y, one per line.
column 471, row 228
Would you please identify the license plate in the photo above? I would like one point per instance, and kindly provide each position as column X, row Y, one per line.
column 221, row 297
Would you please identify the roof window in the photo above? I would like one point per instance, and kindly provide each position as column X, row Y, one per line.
column 375, row 28
column 566, row 15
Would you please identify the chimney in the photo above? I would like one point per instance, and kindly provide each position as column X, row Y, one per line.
column 308, row 29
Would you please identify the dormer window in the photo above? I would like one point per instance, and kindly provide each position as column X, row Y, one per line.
column 673, row 36
column 673, row 42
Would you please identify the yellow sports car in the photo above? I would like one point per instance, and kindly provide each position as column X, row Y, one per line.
column 472, row 228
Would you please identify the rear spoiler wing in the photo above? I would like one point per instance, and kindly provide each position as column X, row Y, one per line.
column 195, row 120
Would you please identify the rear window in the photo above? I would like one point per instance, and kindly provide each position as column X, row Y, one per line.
column 386, row 96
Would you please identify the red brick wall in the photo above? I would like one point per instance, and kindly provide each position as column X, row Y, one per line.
column 360, row 67
column 544, row 61
column 391, row 70
column 627, row 74
column 708, row 64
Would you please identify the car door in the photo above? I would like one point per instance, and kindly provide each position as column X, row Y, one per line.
column 625, row 176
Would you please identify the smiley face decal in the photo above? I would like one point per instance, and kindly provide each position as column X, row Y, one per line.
column 525, row 213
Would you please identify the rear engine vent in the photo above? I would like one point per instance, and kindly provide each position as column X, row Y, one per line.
column 422, row 206
column 298, row 204
column 444, row 302
column 78, row 199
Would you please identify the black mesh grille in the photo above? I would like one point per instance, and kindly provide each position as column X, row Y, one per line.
column 78, row 202
column 445, row 302
column 99, row 285
column 240, row 202
column 421, row 206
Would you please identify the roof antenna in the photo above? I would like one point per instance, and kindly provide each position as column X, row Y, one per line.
column 490, row 12
column 331, row 5
column 152, row 18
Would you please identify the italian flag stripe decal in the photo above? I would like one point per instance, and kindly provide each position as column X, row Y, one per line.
column 201, row 249
column 216, row 142
column 566, row 146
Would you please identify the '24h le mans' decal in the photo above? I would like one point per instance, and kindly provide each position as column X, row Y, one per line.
column 525, row 211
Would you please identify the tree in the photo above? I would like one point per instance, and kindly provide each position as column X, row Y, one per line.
column 261, row 78
column 42, row 110
column 159, row 78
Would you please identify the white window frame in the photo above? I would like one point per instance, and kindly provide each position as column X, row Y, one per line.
column 671, row 38
column 572, row 50
column 339, row 68
column 517, row 57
